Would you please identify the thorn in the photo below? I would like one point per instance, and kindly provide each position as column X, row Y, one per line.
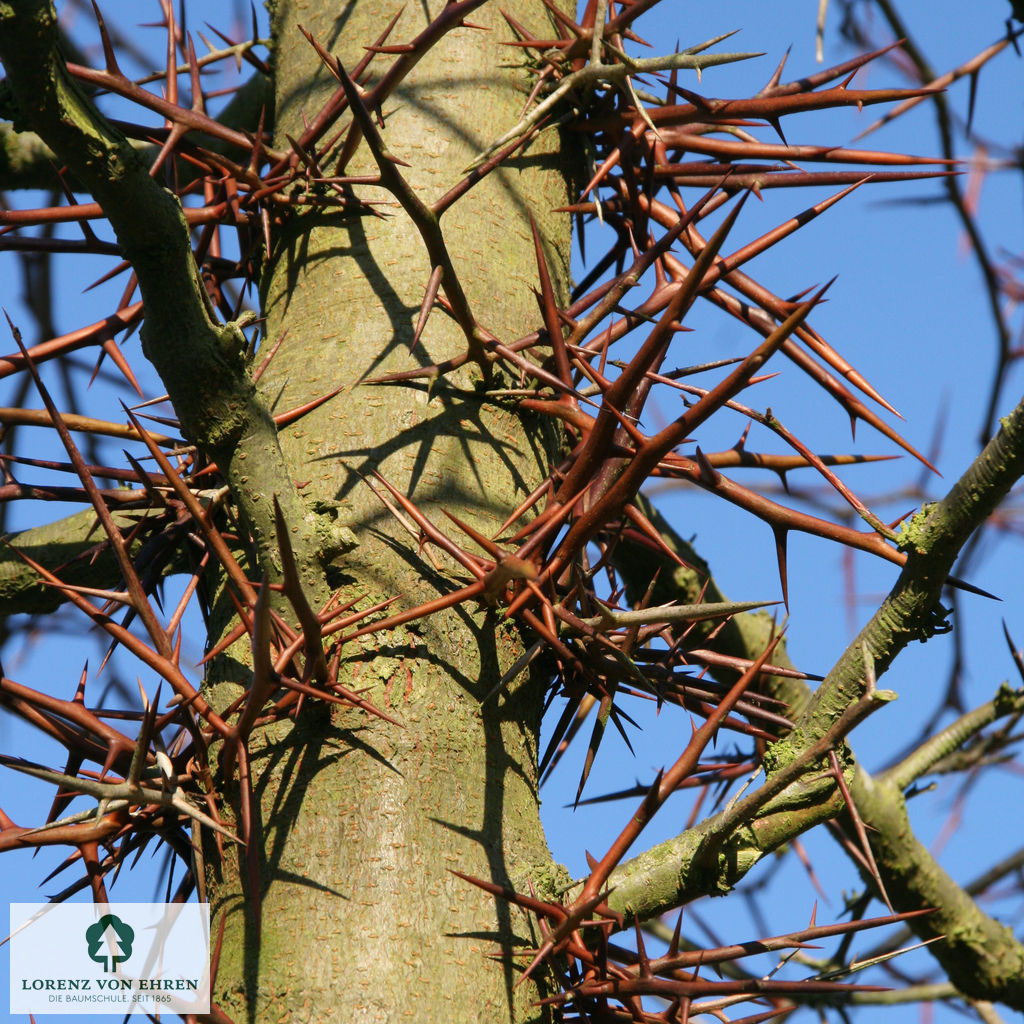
column 108, row 50
column 673, row 948
column 777, row 125
column 777, row 73
column 971, row 97
column 1018, row 659
column 1012, row 36
column 780, row 553
column 427, row 305
column 708, row 472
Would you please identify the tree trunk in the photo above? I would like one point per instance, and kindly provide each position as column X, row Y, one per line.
column 361, row 821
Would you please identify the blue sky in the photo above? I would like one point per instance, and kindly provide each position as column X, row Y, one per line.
column 909, row 312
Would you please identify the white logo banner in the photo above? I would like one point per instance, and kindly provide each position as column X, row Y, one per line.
column 110, row 958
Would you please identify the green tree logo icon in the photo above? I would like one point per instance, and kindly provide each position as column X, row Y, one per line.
column 110, row 941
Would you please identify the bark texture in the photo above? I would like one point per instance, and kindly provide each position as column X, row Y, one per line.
column 362, row 822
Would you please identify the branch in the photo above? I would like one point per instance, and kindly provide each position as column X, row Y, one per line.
column 925, row 758
column 593, row 74
column 72, row 548
column 982, row 957
column 27, row 162
column 712, row 857
column 932, row 539
column 200, row 362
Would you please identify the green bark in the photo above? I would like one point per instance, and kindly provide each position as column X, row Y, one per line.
column 73, row 548
column 982, row 957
